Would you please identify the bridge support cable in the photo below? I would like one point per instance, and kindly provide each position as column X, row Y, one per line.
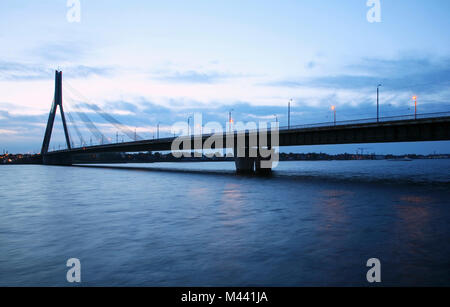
column 89, row 124
column 122, row 128
column 74, row 125
column 87, row 103
column 69, row 111
column 70, row 135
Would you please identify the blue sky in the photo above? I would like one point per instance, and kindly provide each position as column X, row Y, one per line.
column 146, row 62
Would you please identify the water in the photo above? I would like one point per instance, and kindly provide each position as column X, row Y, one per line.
column 198, row 224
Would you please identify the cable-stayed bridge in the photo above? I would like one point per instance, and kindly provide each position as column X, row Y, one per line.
column 254, row 150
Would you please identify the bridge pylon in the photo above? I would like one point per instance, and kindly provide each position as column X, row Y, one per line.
column 57, row 101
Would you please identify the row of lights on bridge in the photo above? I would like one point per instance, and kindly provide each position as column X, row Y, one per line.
column 333, row 109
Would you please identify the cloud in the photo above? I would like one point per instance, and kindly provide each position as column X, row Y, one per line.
column 311, row 64
column 194, row 77
column 60, row 52
column 44, row 59
column 82, row 71
column 422, row 75
column 19, row 71
column 30, row 71
column 121, row 106
column 406, row 65
column 8, row 132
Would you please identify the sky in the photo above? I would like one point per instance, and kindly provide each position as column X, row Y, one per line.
column 150, row 62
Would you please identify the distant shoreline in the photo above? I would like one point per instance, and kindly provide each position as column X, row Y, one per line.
column 115, row 158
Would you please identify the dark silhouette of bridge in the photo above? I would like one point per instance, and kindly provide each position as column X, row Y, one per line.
column 408, row 128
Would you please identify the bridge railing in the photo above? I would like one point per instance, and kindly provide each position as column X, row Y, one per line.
column 368, row 120
column 347, row 122
column 343, row 123
column 360, row 121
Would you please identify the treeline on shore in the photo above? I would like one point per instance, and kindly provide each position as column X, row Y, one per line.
column 149, row 157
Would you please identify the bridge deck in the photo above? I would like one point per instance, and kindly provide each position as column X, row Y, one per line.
column 360, row 131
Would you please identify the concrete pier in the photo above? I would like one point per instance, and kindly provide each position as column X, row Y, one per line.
column 253, row 165
column 245, row 165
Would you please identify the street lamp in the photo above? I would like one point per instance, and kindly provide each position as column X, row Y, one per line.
column 230, row 119
column 189, row 123
column 415, row 106
column 289, row 114
column 157, row 130
column 333, row 108
column 276, row 118
column 200, row 129
column 378, row 102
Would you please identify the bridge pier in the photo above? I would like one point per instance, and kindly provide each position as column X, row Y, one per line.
column 263, row 170
column 249, row 165
column 245, row 165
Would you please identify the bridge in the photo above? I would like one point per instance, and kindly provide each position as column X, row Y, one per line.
column 253, row 150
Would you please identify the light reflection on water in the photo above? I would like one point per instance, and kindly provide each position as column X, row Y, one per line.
column 333, row 206
column 312, row 223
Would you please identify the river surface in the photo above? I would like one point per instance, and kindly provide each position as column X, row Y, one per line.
column 199, row 224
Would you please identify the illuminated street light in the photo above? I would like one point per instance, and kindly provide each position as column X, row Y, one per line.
column 333, row 108
column 415, row 106
column 230, row 119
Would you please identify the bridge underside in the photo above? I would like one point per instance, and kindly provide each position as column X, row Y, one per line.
column 65, row 159
column 401, row 131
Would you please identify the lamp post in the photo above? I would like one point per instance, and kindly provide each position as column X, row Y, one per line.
column 378, row 102
column 333, row 108
column 415, row 107
column 230, row 119
column 289, row 114
column 157, row 130
column 276, row 118
column 189, row 122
